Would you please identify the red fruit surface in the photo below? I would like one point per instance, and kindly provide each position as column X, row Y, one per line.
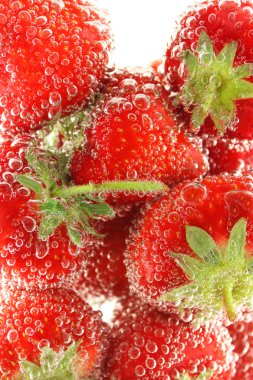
column 150, row 345
column 25, row 259
column 214, row 205
column 133, row 137
column 105, row 271
column 224, row 22
column 53, row 56
column 53, row 318
column 242, row 338
column 229, row 155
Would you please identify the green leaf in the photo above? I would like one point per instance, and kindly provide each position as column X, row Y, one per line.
column 243, row 90
column 179, row 294
column 190, row 266
column 69, row 356
column 227, row 54
column 236, row 243
column 203, row 245
column 29, row 370
column 244, row 71
column 54, row 207
column 202, row 376
column 205, row 47
column 97, row 209
column 213, row 84
column 30, row 183
column 199, row 115
column 53, row 365
column 191, row 61
column 48, row 224
column 75, row 236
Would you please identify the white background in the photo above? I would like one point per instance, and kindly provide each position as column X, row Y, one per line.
column 142, row 28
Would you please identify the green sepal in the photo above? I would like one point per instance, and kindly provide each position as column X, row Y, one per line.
column 53, row 365
column 189, row 264
column 30, row 183
column 203, row 376
column 95, row 210
column 203, row 245
column 220, row 279
column 236, row 243
column 75, row 236
column 214, row 84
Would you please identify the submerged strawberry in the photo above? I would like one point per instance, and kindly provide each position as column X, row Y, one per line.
column 52, row 59
column 151, row 345
column 133, row 137
column 209, row 68
column 193, row 248
column 49, row 334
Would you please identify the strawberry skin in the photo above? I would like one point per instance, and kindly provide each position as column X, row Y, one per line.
column 133, row 137
column 214, row 205
column 54, row 318
column 224, row 22
column 242, row 338
column 25, row 259
column 53, row 58
column 152, row 345
column 105, row 271
column 229, row 155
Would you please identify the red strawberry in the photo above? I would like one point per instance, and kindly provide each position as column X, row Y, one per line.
column 38, row 326
column 133, row 136
column 53, row 57
column 242, row 338
column 229, row 155
column 191, row 249
column 206, row 66
column 25, row 258
column 150, row 345
column 105, row 271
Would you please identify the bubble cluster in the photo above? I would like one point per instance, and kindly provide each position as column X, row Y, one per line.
column 147, row 344
column 52, row 59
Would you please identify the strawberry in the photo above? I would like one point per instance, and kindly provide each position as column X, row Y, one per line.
column 25, row 258
column 105, row 271
column 53, row 58
column 242, row 338
column 229, row 155
column 133, row 136
column 43, row 235
column 151, row 345
column 209, row 69
column 52, row 333
column 193, row 249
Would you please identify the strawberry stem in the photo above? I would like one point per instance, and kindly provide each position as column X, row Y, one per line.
column 229, row 301
column 143, row 186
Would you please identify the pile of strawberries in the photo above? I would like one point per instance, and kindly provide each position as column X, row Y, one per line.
column 134, row 183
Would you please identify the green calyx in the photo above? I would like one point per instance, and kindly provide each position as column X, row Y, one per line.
column 202, row 376
column 220, row 278
column 75, row 206
column 214, row 84
column 53, row 365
